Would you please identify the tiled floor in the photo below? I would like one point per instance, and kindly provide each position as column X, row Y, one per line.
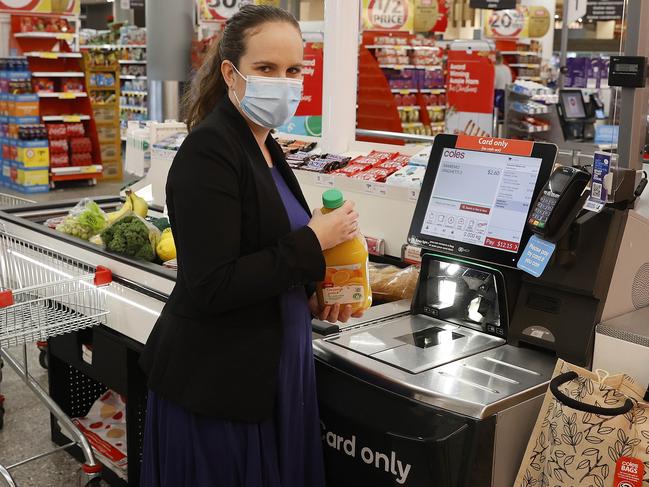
column 26, row 429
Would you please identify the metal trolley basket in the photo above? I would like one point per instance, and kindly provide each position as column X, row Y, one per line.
column 43, row 294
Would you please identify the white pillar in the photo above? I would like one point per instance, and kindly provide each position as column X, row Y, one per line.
column 341, row 39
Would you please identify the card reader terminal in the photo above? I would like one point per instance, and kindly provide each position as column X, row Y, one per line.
column 557, row 199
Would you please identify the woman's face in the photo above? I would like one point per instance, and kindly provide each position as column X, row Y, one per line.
column 273, row 49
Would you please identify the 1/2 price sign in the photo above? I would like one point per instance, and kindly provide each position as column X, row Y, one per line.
column 388, row 15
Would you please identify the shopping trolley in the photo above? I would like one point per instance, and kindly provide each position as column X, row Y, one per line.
column 44, row 293
column 10, row 201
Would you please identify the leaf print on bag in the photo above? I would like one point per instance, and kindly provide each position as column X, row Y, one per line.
column 528, row 481
column 562, row 462
column 592, row 468
column 570, row 435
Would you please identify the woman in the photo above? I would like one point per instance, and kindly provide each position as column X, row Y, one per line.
column 232, row 399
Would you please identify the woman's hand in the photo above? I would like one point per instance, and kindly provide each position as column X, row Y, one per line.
column 332, row 313
column 336, row 227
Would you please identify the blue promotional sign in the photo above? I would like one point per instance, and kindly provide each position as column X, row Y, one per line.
column 536, row 256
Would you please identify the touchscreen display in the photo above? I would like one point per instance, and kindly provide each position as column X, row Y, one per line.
column 573, row 104
column 481, row 198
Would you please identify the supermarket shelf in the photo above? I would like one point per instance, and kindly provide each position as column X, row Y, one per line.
column 130, row 76
column 105, row 122
column 65, row 118
column 53, row 55
column 407, row 108
column 436, row 107
column 94, row 168
column 529, row 78
column 524, row 65
column 409, row 66
column 103, row 88
column 134, row 109
column 113, row 46
column 58, row 74
column 404, row 91
column 520, row 53
column 66, row 36
column 529, row 129
column 530, row 112
column 412, row 125
column 129, row 61
column 102, row 69
column 103, row 105
column 62, row 95
column 134, row 93
column 403, row 47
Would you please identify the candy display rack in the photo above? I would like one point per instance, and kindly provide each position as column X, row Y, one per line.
column 401, row 84
column 103, row 81
column 58, row 78
column 524, row 59
column 133, row 90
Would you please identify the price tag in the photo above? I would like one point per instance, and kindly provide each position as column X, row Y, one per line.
column 71, row 118
column 413, row 194
column 49, row 55
column 325, row 180
column 65, row 37
column 376, row 189
column 67, row 96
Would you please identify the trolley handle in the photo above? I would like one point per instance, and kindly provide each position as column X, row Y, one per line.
column 103, row 277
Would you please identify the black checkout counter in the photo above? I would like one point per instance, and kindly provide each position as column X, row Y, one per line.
column 447, row 393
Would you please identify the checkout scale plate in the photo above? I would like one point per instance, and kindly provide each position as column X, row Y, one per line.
column 416, row 343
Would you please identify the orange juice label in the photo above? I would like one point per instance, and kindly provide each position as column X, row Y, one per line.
column 343, row 284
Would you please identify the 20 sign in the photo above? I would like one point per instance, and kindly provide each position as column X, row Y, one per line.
column 387, row 15
column 507, row 23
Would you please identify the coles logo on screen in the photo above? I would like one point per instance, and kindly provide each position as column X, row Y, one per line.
column 453, row 154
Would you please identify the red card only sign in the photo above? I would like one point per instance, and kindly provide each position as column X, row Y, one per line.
column 470, row 93
column 311, row 103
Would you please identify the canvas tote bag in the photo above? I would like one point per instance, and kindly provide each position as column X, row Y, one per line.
column 592, row 431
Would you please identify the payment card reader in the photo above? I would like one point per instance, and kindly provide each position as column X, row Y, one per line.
column 557, row 201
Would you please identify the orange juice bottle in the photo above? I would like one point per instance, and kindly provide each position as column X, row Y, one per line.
column 347, row 278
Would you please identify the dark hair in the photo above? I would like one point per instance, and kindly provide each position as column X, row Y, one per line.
column 208, row 85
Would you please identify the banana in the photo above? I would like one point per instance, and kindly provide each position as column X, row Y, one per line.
column 126, row 208
column 140, row 206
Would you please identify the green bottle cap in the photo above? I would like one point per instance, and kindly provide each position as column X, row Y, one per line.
column 332, row 199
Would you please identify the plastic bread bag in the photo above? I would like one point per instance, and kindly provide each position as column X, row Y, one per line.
column 390, row 283
column 84, row 220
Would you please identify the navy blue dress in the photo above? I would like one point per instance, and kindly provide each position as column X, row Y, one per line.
column 186, row 449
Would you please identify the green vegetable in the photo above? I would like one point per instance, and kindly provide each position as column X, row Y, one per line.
column 161, row 223
column 130, row 236
column 93, row 218
column 84, row 224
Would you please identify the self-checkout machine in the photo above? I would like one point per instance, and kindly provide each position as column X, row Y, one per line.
column 438, row 396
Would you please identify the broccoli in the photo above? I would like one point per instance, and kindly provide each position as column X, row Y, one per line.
column 161, row 223
column 129, row 236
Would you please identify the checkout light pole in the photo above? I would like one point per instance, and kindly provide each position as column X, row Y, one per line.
column 634, row 102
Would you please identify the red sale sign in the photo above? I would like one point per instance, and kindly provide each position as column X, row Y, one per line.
column 470, row 93
column 311, row 103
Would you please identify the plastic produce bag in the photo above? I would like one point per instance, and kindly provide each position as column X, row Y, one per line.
column 84, row 220
column 390, row 283
column 132, row 236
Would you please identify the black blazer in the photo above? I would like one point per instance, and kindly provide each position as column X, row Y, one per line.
column 215, row 348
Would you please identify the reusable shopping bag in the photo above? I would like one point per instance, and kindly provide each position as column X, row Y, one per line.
column 592, row 431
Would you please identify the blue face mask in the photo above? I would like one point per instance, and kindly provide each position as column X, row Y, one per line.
column 270, row 102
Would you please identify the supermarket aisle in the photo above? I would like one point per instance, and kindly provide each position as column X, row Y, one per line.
column 27, row 432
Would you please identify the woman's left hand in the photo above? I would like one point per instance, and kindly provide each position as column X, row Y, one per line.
column 332, row 313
